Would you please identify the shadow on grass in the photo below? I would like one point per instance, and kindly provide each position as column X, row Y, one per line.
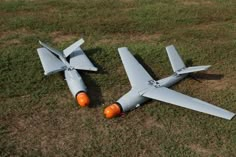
column 205, row 76
column 91, row 52
column 189, row 62
column 94, row 90
column 146, row 67
column 200, row 75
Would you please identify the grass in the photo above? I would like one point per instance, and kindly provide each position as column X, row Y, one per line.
column 39, row 117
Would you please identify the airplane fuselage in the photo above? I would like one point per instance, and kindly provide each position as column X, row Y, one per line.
column 134, row 99
column 74, row 81
column 171, row 80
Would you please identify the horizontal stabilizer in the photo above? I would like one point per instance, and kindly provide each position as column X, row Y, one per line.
column 193, row 69
column 169, row 96
column 175, row 60
column 51, row 64
column 87, row 68
column 73, row 47
column 80, row 61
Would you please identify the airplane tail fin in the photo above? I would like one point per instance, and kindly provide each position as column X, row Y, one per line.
column 178, row 65
column 53, row 50
column 175, row 60
column 77, row 57
column 69, row 50
column 193, row 69
column 51, row 64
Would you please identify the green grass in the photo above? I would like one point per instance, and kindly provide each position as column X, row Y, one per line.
column 38, row 115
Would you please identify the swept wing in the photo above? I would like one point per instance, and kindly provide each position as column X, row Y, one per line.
column 169, row 96
column 136, row 73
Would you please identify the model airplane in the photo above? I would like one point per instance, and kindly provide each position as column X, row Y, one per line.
column 144, row 87
column 71, row 59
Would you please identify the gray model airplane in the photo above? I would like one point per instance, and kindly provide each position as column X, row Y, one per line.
column 71, row 59
column 144, row 87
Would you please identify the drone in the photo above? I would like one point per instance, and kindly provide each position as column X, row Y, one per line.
column 70, row 60
column 144, row 87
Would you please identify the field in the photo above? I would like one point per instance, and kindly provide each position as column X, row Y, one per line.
column 38, row 115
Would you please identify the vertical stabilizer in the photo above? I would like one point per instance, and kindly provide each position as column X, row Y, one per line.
column 175, row 60
column 69, row 50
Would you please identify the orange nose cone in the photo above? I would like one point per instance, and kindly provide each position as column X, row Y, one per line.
column 112, row 111
column 83, row 99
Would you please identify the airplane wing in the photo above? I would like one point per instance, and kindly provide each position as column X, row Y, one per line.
column 136, row 73
column 169, row 96
column 80, row 61
column 51, row 64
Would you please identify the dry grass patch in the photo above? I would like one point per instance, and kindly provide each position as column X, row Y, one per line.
column 200, row 150
column 131, row 38
column 13, row 37
column 150, row 122
column 59, row 37
column 127, row 1
column 212, row 81
column 196, row 2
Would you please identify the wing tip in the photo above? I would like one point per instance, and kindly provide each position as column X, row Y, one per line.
column 81, row 40
column 94, row 69
column 231, row 116
column 170, row 46
column 208, row 66
column 120, row 49
column 40, row 42
column 39, row 49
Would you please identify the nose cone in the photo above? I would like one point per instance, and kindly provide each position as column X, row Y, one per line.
column 83, row 99
column 112, row 111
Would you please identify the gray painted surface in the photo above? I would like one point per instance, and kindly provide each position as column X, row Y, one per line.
column 193, row 69
column 54, row 61
column 136, row 73
column 175, row 60
column 170, row 96
column 80, row 61
column 51, row 64
column 74, row 81
column 144, row 87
